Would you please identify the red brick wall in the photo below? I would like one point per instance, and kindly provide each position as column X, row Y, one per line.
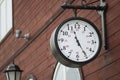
column 31, row 16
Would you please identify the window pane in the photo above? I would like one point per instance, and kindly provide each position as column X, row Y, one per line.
column 9, row 15
column 5, row 17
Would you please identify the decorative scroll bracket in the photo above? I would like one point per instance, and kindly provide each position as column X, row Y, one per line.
column 101, row 10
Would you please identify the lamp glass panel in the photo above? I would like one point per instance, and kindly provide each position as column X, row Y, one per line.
column 7, row 75
column 18, row 75
column 11, row 75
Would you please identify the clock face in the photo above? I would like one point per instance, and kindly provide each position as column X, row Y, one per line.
column 77, row 40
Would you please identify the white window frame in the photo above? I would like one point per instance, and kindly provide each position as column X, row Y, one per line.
column 66, row 73
column 5, row 18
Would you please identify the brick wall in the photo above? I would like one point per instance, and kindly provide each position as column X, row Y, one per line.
column 39, row 18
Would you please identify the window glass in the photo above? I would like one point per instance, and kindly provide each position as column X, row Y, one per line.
column 66, row 73
column 5, row 17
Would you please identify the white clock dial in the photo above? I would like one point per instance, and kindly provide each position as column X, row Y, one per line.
column 77, row 40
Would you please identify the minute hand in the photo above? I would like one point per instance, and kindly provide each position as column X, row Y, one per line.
column 79, row 44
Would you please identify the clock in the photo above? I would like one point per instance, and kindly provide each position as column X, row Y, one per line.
column 75, row 42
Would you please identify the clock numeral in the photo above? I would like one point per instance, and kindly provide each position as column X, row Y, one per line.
column 77, row 26
column 61, row 39
column 65, row 33
column 64, row 48
column 90, row 34
column 69, row 53
column 91, row 50
column 85, row 28
column 93, row 42
column 70, row 27
column 77, row 56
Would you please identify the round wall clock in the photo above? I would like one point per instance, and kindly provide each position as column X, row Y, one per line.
column 75, row 42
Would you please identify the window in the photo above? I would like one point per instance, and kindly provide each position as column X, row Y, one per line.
column 5, row 17
column 66, row 73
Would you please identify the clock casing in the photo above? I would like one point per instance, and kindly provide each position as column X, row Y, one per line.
column 75, row 42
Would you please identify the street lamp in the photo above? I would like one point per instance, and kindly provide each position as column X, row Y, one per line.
column 13, row 72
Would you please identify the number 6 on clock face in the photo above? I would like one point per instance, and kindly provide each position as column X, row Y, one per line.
column 75, row 42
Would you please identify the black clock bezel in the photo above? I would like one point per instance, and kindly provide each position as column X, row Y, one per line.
column 63, row 59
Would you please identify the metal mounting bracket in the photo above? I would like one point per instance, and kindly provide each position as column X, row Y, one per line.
column 103, row 22
column 19, row 35
column 102, row 8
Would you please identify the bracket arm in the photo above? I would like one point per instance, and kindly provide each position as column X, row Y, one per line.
column 103, row 22
column 68, row 6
